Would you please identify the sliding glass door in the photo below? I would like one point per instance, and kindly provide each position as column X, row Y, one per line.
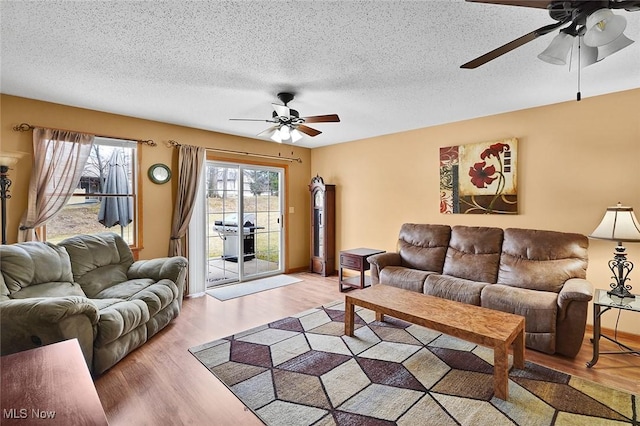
column 244, row 222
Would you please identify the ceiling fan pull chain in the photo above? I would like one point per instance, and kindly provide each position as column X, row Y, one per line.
column 579, row 95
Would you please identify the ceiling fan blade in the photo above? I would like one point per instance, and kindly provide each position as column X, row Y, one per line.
column 268, row 132
column 541, row 4
column 308, row 130
column 329, row 118
column 252, row 119
column 281, row 110
column 506, row 48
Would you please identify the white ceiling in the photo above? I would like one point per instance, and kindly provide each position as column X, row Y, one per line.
column 383, row 66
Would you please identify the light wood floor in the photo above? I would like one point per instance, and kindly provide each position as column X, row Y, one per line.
column 161, row 383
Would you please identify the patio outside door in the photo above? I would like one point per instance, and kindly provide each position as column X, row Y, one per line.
column 244, row 222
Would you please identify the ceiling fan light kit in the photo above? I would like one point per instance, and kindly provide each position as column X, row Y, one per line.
column 558, row 50
column 289, row 126
column 598, row 30
column 603, row 27
column 611, row 48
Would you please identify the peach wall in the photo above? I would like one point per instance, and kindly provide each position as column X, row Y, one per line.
column 575, row 159
column 157, row 199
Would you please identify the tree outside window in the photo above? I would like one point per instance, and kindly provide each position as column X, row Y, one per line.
column 106, row 196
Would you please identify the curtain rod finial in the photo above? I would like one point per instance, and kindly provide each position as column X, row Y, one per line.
column 22, row 127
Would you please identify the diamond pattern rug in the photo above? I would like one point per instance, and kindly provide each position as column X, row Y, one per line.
column 303, row 370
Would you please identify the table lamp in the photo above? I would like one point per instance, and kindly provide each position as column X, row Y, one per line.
column 621, row 225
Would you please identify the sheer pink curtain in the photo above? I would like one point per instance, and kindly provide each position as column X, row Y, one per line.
column 59, row 158
column 190, row 161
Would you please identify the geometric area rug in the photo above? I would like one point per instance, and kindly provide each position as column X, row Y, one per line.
column 303, row 370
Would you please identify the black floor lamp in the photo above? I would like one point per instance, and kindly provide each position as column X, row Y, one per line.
column 619, row 224
column 7, row 159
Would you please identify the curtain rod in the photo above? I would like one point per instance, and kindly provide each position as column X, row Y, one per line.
column 172, row 143
column 25, row 127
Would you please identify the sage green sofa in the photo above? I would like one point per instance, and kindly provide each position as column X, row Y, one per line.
column 87, row 287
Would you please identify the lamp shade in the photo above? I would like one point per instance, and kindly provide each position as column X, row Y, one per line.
column 9, row 159
column 618, row 224
column 588, row 55
column 558, row 50
column 285, row 132
column 603, row 27
column 276, row 137
column 295, row 135
column 611, row 48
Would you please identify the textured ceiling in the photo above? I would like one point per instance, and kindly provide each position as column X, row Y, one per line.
column 383, row 66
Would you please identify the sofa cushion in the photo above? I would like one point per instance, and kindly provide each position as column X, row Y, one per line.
column 452, row 288
column 407, row 278
column 117, row 318
column 33, row 263
column 51, row 289
column 156, row 295
column 423, row 246
column 98, row 261
column 474, row 253
column 542, row 260
column 538, row 307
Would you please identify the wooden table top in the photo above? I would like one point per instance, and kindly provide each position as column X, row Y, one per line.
column 50, row 384
column 362, row 251
column 459, row 319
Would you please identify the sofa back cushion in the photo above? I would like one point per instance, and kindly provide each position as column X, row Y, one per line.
column 98, row 261
column 423, row 246
column 474, row 253
column 33, row 263
column 542, row 260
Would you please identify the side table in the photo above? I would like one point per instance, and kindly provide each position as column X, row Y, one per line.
column 51, row 384
column 355, row 259
column 602, row 302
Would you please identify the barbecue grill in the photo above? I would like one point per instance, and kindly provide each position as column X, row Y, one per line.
column 229, row 231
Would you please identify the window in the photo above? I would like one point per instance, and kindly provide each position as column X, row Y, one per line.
column 106, row 196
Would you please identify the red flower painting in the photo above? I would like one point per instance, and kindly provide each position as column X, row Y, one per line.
column 479, row 178
column 482, row 176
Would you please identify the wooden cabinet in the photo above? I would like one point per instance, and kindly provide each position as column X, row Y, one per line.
column 323, row 227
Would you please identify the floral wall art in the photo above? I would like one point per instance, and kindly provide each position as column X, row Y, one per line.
column 479, row 178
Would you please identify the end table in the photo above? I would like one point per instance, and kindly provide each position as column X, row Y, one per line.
column 602, row 302
column 355, row 259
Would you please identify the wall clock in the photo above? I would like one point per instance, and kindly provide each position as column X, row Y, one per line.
column 159, row 173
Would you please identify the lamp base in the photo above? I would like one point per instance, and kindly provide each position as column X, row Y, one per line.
column 621, row 267
column 620, row 291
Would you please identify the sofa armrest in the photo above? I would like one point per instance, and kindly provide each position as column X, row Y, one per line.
column 380, row 261
column 574, row 289
column 33, row 322
column 47, row 309
column 171, row 268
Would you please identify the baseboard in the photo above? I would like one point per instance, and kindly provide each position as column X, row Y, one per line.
column 305, row 269
column 296, row 270
column 610, row 332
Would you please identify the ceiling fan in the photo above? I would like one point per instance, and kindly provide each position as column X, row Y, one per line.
column 289, row 126
column 601, row 31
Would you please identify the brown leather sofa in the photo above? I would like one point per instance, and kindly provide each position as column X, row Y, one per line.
column 534, row 273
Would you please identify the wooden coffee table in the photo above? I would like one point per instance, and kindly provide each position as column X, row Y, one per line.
column 494, row 329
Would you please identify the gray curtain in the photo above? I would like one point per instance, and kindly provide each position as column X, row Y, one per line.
column 59, row 157
column 190, row 164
